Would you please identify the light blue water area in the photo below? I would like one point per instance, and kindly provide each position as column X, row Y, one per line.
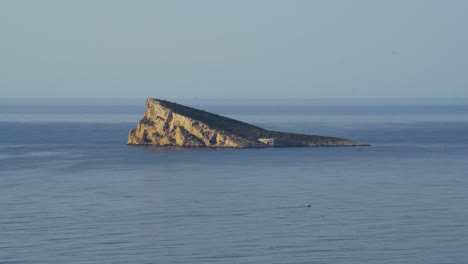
column 71, row 191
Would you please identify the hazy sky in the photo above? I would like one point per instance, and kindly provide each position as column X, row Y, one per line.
column 234, row 49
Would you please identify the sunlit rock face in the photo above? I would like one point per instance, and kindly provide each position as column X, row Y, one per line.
column 169, row 124
column 160, row 126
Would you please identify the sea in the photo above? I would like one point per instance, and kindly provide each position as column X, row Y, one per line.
column 72, row 191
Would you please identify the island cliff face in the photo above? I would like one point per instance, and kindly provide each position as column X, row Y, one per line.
column 169, row 124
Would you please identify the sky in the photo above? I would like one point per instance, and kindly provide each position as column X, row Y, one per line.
column 234, row 49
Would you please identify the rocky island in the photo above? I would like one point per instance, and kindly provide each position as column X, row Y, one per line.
column 170, row 124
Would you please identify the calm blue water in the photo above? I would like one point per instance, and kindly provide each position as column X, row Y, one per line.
column 71, row 191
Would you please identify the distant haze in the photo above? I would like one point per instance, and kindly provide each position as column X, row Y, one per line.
column 234, row 49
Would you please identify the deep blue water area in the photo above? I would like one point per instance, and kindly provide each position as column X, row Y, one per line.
column 72, row 191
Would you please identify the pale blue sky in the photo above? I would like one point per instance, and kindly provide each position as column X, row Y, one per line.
column 234, row 49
